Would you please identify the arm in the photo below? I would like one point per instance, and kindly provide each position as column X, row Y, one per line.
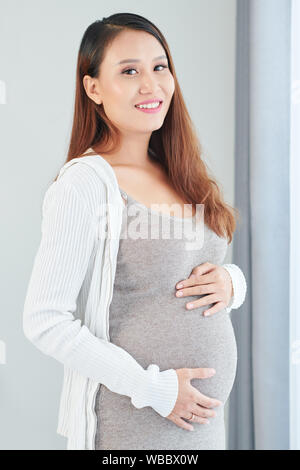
column 60, row 265
column 239, row 286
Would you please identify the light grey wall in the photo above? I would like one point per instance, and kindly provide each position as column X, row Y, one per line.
column 38, row 49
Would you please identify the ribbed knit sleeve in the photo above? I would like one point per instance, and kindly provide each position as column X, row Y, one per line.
column 59, row 268
column 239, row 286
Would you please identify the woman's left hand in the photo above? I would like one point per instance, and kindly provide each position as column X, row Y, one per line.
column 211, row 279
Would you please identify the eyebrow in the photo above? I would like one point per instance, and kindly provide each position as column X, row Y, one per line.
column 125, row 61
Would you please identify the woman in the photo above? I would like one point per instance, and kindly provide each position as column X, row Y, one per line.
column 107, row 306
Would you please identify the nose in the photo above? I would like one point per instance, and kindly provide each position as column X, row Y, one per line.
column 149, row 83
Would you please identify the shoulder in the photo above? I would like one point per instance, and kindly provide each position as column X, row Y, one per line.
column 85, row 178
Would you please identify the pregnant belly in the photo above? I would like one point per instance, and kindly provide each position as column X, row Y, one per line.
column 177, row 338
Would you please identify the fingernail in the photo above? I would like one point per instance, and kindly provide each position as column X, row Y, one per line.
column 212, row 371
column 179, row 286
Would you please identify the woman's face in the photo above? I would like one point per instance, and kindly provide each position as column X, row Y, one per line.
column 121, row 86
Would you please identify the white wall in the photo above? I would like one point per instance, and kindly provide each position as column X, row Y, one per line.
column 38, row 49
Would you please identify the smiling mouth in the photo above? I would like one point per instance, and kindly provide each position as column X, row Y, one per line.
column 149, row 106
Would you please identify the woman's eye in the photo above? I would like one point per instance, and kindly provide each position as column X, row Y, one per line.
column 128, row 70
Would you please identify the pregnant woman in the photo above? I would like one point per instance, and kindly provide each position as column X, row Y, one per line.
column 142, row 368
column 153, row 325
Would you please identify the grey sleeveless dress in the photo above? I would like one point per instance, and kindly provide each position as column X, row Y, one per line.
column 155, row 327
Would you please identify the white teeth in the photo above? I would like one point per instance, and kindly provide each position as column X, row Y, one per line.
column 149, row 106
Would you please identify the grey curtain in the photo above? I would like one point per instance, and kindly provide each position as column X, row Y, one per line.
column 259, row 402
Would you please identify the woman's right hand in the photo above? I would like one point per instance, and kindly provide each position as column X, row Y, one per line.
column 190, row 400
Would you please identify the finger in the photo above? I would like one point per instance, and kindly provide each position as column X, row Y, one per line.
column 181, row 423
column 203, row 412
column 207, row 402
column 216, row 308
column 196, row 280
column 206, row 278
column 200, row 420
column 206, row 300
column 201, row 373
column 197, row 418
column 204, row 421
column 197, row 290
column 203, row 268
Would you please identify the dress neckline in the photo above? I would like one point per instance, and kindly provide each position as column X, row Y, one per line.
column 148, row 209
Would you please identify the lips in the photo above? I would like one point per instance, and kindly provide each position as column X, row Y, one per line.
column 150, row 110
column 149, row 101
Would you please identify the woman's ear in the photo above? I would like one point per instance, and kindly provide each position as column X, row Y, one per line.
column 91, row 87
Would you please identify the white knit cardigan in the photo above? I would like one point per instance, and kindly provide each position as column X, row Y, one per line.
column 66, row 311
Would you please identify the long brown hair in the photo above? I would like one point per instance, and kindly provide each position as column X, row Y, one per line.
column 175, row 145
